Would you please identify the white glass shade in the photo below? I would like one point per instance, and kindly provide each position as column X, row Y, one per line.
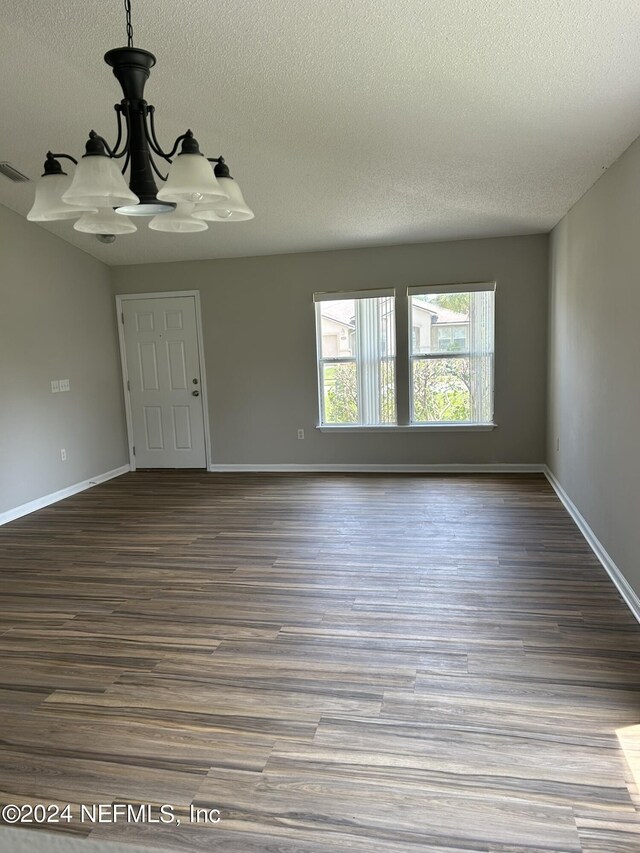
column 235, row 209
column 98, row 182
column 104, row 221
column 48, row 205
column 180, row 221
column 191, row 179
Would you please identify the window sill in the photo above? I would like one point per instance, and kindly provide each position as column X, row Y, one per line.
column 436, row 427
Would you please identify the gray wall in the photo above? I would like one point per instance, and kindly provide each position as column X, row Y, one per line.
column 594, row 377
column 262, row 388
column 56, row 322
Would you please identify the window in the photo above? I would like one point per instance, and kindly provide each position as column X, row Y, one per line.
column 451, row 338
column 452, row 377
column 356, row 358
column 448, row 362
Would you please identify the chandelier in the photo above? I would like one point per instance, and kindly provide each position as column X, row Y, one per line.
column 196, row 190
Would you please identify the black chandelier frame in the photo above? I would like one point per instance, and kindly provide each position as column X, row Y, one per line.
column 137, row 140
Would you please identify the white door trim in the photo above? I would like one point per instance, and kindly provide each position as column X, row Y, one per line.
column 120, row 299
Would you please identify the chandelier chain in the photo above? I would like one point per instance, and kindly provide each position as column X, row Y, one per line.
column 127, row 8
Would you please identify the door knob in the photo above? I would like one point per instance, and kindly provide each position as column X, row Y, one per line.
column 195, row 393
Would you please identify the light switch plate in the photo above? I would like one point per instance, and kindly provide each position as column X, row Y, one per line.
column 65, row 385
column 55, row 386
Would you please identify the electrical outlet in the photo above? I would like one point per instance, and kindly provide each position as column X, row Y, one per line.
column 65, row 385
column 63, row 454
column 300, row 433
column 55, row 386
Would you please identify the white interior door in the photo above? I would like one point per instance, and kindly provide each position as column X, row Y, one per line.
column 164, row 381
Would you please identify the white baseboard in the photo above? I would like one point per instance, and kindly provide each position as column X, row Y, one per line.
column 54, row 497
column 624, row 588
column 338, row 468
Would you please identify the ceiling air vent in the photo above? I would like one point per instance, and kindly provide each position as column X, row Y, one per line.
column 12, row 173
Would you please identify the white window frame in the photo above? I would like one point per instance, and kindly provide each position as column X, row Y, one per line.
column 403, row 359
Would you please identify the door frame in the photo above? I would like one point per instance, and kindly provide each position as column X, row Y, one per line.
column 164, row 294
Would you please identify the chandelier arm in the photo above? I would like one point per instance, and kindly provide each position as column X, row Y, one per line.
column 150, row 132
column 110, row 151
column 175, row 146
column 125, row 147
column 126, row 162
column 157, row 146
column 116, row 153
column 58, row 156
column 156, row 170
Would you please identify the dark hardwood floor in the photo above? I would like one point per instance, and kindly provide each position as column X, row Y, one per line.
column 377, row 664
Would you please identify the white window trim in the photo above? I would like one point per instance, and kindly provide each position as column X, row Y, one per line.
column 354, row 294
column 454, row 426
column 458, row 287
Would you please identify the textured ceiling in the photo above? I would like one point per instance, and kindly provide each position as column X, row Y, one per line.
column 346, row 122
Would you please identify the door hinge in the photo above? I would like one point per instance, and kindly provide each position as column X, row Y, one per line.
column 122, row 317
column 134, row 450
column 128, row 385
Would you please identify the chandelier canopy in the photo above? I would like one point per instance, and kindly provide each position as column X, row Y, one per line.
column 196, row 190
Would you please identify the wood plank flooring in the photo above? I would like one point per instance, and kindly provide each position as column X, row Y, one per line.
column 363, row 663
